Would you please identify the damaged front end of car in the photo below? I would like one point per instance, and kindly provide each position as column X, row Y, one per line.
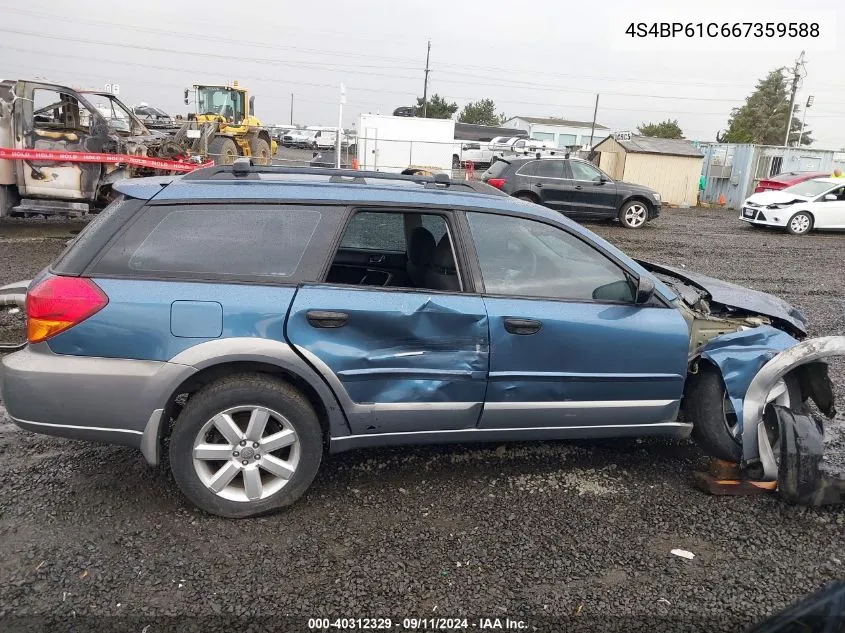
column 771, row 373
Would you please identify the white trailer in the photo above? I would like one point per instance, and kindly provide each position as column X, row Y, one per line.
column 396, row 143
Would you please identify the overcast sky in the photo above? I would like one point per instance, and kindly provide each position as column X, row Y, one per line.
column 536, row 58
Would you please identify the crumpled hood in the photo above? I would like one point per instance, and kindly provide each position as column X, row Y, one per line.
column 737, row 297
column 765, row 198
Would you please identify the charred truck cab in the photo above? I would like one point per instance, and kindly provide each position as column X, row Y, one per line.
column 53, row 118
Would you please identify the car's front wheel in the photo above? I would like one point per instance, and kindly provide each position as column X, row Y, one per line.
column 800, row 224
column 633, row 214
column 245, row 445
column 715, row 425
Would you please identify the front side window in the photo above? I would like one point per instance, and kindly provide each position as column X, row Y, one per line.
column 526, row 258
column 584, row 171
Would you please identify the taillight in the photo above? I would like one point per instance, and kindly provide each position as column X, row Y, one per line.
column 496, row 182
column 59, row 303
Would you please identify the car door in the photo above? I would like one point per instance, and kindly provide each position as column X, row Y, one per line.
column 569, row 347
column 592, row 192
column 829, row 214
column 549, row 183
column 54, row 118
column 401, row 356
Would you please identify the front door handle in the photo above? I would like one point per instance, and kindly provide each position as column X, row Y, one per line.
column 326, row 319
column 578, row 187
column 540, row 185
column 522, row 327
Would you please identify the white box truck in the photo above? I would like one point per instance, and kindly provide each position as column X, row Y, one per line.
column 396, row 144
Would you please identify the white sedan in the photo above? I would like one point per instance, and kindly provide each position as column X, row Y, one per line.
column 813, row 204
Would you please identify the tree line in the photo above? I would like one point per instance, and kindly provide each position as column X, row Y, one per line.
column 761, row 119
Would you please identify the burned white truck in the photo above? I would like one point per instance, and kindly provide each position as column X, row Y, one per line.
column 62, row 149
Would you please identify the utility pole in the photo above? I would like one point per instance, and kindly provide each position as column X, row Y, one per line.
column 593, row 128
column 796, row 79
column 810, row 100
column 339, row 134
column 425, row 84
column 291, row 108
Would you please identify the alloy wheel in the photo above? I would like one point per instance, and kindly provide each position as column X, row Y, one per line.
column 246, row 453
column 635, row 215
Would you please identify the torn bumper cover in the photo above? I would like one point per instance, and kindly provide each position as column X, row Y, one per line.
column 767, row 373
column 803, row 362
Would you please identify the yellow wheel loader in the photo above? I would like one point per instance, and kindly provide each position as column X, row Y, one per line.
column 223, row 126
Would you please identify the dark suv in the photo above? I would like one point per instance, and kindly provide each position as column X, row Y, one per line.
column 574, row 187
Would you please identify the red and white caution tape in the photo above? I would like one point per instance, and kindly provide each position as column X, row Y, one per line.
column 96, row 157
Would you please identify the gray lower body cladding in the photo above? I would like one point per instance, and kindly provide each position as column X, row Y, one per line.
column 101, row 399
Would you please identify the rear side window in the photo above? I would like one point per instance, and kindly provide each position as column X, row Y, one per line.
column 497, row 169
column 262, row 242
column 550, row 169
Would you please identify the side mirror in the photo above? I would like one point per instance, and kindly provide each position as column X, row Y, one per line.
column 252, row 106
column 645, row 290
column 829, row 196
column 187, row 101
column 603, row 179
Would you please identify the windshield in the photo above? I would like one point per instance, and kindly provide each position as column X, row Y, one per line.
column 114, row 112
column 809, row 188
column 222, row 101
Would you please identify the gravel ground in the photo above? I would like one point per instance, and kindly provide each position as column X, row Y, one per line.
column 558, row 535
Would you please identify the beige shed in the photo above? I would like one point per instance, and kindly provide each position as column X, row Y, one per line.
column 672, row 167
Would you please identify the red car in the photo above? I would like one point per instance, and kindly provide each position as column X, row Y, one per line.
column 787, row 179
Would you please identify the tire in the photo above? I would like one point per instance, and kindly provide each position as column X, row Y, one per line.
column 800, row 224
column 237, row 397
column 223, row 150
column 633, row 214
column 704, row 406
column 261, row 152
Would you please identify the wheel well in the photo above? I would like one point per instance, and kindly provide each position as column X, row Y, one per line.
column 810, row 213
column 210, row 374
column 264, row 134
column 636, row 198
column 526, row 194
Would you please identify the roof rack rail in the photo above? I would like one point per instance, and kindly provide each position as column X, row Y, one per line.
column 244, row 169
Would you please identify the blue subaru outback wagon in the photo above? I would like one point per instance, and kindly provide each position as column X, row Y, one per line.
column 252, row 319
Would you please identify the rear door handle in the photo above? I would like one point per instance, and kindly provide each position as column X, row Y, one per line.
column 578, row 187
column 522, row 327
column 539, row 184
column 326, row 319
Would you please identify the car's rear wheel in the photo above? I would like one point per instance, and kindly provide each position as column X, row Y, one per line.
column 245, row 445
column 633, row 214
column 528, row 197
column 800, row 224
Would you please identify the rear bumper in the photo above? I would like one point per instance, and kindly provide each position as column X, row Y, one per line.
column 117, row 401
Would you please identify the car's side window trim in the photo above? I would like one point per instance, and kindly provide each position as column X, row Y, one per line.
column 660, row 301
column 456, row 238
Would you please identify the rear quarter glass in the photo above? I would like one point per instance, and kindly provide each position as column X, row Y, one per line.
column 497, row 169
column 235, row 242
column 85, row 247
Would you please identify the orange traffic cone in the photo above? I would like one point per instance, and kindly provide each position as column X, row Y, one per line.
column 354, row 163
column 722, row 200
